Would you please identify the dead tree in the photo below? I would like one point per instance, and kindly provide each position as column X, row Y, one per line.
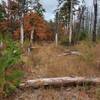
column 95, row 20
column 22, row 7
column 71, row 22
column 57, row 31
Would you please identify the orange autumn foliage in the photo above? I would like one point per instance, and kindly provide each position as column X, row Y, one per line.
column 36, row 22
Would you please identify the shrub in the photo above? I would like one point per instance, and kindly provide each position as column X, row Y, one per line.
column 9, row 75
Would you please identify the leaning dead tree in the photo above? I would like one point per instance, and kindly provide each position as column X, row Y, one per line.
column 62, row 81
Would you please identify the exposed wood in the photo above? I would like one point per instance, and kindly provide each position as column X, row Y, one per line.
column 66, row 81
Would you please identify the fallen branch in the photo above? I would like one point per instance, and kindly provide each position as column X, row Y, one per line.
column 70, row 53
column 66, row 81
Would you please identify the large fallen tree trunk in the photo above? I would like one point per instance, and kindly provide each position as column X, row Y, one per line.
column 63, row 81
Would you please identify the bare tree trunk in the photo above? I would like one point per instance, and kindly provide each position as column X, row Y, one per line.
column 95, row 20
column 32, row 36
column 91, row 22
column 57, row 26
column 83, row 23
column 22, row 30
column 56, row 38
column 71, row 23
column 65, row 29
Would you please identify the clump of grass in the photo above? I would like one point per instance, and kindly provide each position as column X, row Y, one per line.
column 45, row 61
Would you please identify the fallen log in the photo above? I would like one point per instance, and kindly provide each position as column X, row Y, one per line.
column 62, row 81
column 70, row 53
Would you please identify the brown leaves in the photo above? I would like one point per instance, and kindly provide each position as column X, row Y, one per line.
column 41, row 28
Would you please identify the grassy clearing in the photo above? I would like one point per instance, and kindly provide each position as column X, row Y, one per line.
column 44, row 61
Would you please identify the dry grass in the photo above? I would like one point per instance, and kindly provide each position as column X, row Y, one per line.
column 44, row 61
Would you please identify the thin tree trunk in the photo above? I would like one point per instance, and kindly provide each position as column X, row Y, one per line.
column 91, row 27
column 71, row 22
column 56, row 38
column 57, row 26
column 32, row 36
column 83, row 23
column 65, row 29
column 95, row 21
column 22, row 30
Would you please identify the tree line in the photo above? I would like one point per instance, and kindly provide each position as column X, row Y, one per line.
column 25, row 19
column 77, row 20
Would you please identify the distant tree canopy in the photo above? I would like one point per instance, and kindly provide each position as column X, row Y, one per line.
column 77, row 19
column 10, row 18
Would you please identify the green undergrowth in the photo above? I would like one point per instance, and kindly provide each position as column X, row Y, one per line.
column 10, row 75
